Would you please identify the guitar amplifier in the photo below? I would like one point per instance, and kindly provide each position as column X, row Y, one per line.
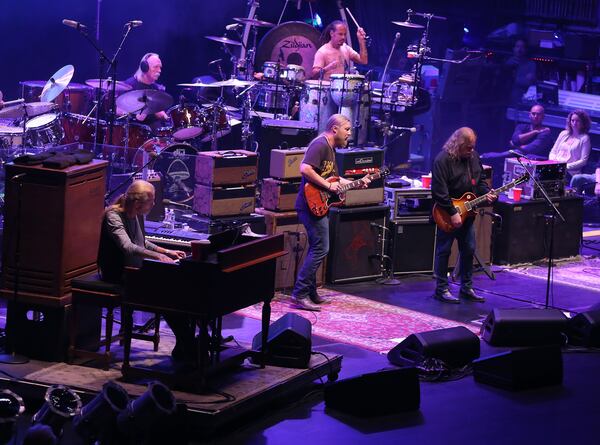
column 224, row 201
column 370, row 196
column 408, row 203
column 353, row 159
column 550, row 174
column 279, row 195
column 227, row 167
column 285, row 164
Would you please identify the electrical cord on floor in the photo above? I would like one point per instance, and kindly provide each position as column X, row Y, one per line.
column 329, row 365
column 436, row 370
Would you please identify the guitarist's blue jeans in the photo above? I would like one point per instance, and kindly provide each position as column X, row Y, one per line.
column 317, row 231
column 465, row 236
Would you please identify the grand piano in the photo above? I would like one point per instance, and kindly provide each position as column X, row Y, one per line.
column 238, row 272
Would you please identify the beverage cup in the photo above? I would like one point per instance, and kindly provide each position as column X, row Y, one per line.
column 426, row 180
column 200, row 249
column 517, row 194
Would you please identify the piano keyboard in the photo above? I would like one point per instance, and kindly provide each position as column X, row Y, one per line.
column 173, row 237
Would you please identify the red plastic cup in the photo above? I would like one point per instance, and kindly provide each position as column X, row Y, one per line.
column 200, row 249
column 517, row 194
column 426, row 180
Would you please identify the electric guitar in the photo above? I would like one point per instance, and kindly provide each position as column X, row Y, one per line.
column 319, row 199
column 465, row 205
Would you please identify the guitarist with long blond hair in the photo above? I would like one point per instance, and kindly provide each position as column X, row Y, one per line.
column 317, row 166
column 457, row 170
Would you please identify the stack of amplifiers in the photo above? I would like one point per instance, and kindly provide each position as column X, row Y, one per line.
column 280, row 134
column 225, row 183
column 354, row 163
column 550, row 174
column 280, row 191
column 412, row 246
column 296, row 245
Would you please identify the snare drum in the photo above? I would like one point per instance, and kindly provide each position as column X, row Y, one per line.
column 316, row 106
column 138, row 134
column 273, row 98
column 10, row 137
column 295, row 73
column 78, row 128
column 188, row 121
column 346, row 88
column 44, row 130
column 270, row 70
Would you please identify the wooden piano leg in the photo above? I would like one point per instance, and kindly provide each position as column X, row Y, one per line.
column 266, row 319
column 127, row 322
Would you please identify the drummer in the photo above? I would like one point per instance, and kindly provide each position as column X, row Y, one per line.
column 335, row 56
column 145, row 78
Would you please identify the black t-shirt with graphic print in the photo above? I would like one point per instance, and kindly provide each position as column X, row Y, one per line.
column 320, row 156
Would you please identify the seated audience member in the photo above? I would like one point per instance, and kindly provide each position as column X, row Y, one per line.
column 573, row 145
column 583, row 183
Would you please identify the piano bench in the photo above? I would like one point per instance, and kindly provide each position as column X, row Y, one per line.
column 90, row 290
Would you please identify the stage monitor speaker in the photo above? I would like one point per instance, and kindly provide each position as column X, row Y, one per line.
column 524, row 234
column 289, row 342
column 412, row 245
column 376, row 394
column 524, row 327
column 521, row 369
column 584, row 329
column 354, row 243
column 456, row 347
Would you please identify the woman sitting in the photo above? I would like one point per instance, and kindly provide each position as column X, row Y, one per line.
column 573, row 145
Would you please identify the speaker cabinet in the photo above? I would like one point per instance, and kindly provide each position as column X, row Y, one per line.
column 456, row 347
column 525, row 233
column 584, row 329
column 521, row 369
column 289, row 342
column 376, row 394
column 412, row 245
column 524, row 327
column 355, row 243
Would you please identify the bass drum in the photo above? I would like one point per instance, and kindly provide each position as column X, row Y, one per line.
column 291, row 43
column 177, row 164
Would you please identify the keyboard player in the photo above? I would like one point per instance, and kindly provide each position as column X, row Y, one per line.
column 123, row 243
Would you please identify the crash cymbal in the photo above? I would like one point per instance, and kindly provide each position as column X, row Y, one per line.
column 233, row 83
column 409, row 25
column 407, row 78
column 144, row 101
column 227, row 108
column 57, row 83
column 195, row 85
column 224, row 40
column 106, row 84
column 30, row 109
column 254, row 22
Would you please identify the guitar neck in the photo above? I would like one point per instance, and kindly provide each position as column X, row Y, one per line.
column 357, row 183
column 482, row 198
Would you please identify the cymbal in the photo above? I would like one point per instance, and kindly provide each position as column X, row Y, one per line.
column 254, row 22
column 224, row 40
column 407, row 78
column 195, row 85
column 107, row 85
column 57, row 83
column 227, row 108
column 233, row 83
column 32, row 108
column 409, row 25
column 144, row 101
column 10, row 129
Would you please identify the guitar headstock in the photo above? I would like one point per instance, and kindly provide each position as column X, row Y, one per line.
column 384, row 172
column 521, row 179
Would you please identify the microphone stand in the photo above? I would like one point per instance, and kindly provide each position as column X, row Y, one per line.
column 549, row 217
column 387, row 64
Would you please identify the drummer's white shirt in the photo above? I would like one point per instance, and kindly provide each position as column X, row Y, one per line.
column 327, row 54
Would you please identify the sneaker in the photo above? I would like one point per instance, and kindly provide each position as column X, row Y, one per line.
column 469, row 294
column 304, row 304
column 446, row 297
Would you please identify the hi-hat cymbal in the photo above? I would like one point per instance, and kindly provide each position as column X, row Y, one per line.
column 409, row 25
column 254, row 22
column 224, row 40
column 57, row 83
column 144, row 101
column 106, row 84
column 30, row 109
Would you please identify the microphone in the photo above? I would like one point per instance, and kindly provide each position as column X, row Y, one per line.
column 397, row 37
column 233, row 26
column 17, row 177
column 517, row 154
column 174, row 203
column 212, row 62
column 411, row 129
column 73, row 24
column 134, row 23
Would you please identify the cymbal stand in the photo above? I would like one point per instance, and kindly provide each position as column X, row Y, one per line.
column 217, row 107
column 24, row 137
column 247, row 133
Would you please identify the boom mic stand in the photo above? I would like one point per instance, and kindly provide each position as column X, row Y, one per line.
column 551, row 218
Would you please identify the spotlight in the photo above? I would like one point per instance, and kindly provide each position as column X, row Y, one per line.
column 145, row 412
column 466, row 30
column 11, row 407
column 98, row 418
column 61, row 404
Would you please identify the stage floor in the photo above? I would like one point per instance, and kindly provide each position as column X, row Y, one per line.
column 460, row 411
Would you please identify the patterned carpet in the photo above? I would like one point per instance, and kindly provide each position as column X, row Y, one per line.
column 359, row 321
column 584, row 272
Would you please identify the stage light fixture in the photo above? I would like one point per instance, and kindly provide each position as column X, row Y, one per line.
column 60, row 405
column 98, row 418
column 11, row 407
column 145, row 412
